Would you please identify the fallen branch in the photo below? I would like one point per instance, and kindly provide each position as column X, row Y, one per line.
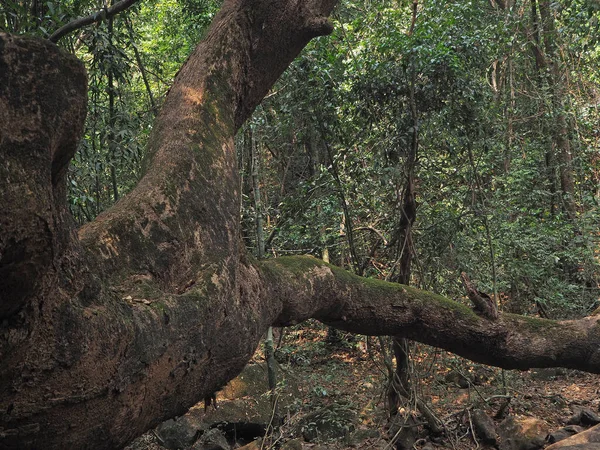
column 306, row 287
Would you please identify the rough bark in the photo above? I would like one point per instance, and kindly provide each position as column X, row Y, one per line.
column 150, row 308
column 483, row 304
column 309, row 287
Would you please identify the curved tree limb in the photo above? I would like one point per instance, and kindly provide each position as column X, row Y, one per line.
column 307, row 287
column 98, row 16
column 379, row 234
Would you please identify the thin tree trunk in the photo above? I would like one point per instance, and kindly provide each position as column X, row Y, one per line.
column 400, row 383
column 260, row 253
column 258, row 208
column 541, row 64
column 271, row 366
column 558, row 91
column 552, row 73
column 347, row 219
column 112, row 120
column 141, row 66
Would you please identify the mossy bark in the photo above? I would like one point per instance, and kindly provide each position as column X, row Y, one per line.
column 109, row 330
column 307, row 287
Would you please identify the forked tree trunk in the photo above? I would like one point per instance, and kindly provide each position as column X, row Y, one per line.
column 109, row 330
column 140, row 315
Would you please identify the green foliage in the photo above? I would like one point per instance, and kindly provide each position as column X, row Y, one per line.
column 131, row 62
column 37, row 17
column 487, row 173
column 337, row 130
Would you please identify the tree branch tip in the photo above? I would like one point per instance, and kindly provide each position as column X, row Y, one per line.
column 319, row 26
column 102, row 14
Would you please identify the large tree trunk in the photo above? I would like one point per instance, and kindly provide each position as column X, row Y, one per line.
column 153, row 306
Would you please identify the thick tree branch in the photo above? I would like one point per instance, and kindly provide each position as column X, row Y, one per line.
column 98, row 16
column 307, row 287
column 36, row 145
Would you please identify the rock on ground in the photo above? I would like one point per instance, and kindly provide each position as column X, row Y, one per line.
column 588, row 440
column 522, row 433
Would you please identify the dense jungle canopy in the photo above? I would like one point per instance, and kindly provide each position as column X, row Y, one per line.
column 415, row 142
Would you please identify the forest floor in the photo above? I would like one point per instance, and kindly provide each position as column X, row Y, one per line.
column 353, row 373
column 335, row 394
